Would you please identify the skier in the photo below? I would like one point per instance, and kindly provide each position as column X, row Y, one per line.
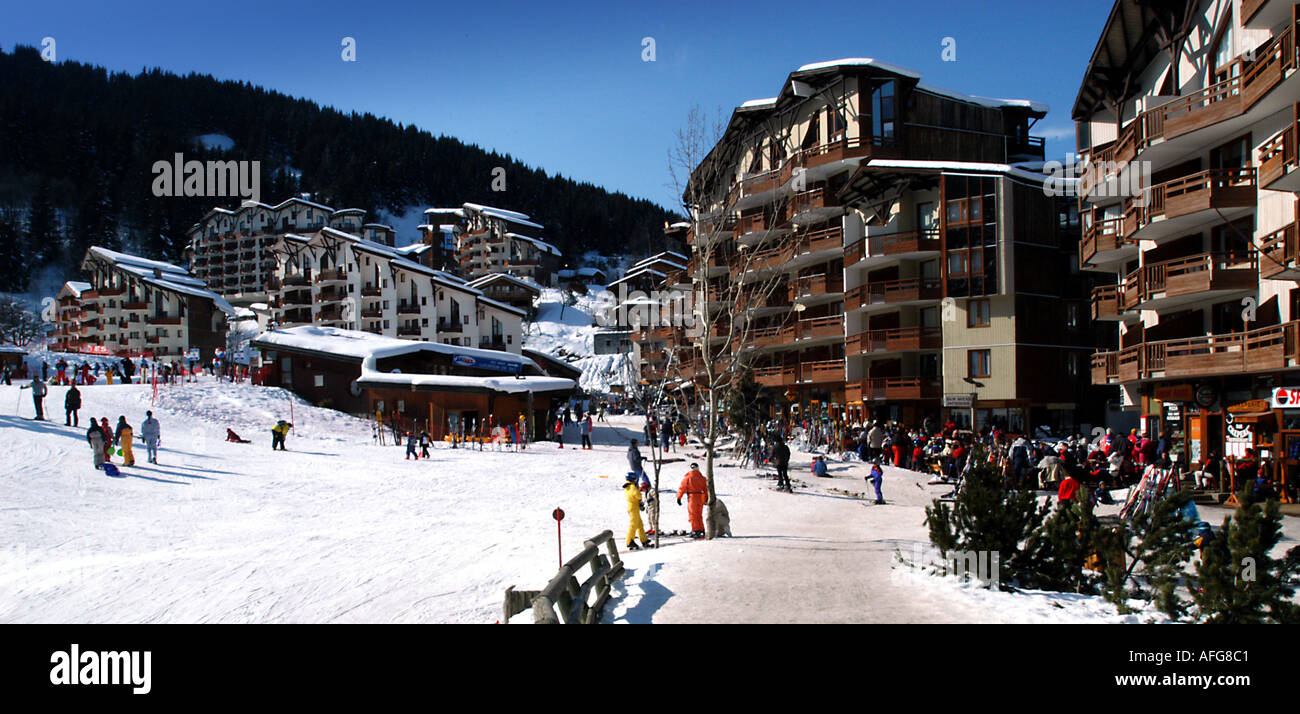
column 281, row 430
column 151, row 431
column 696, row 490
column 38, row 396
column 634, row 507
column 876, row 478
column 411, row 442
column 95, row 437
column 586, row 428
column 122, row 437
column 71, row 404
column 781, row 459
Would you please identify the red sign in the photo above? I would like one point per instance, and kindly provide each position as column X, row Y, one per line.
column 558, row 514
column 1286, row 398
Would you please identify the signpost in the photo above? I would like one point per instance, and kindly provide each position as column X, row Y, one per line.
column 558, row 515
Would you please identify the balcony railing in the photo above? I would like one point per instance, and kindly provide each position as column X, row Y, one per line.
column 1265, row 349
column 331, row 276
column 408, row 330
column 820, row 327
column 814, row 285
column 408, row 308
column 1191, row 275
column 776, row 376
column 1277, row 157
column 163, row 320
column 446, row 326
column 1101, row 235
column 1106, row 302
column 896, row 339
column 1281, row 250
column 822, row 371
column 1201, row 191
column 899, row 388
column 893, row 291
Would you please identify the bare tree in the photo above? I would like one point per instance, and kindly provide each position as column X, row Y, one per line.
column 18, row 325
column 732, row 281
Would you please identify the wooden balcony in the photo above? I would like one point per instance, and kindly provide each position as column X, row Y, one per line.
column 895, row 339
column 370, row 291
column 893, row 292
column 408, row 308
column 135, row 305
column 1262, row 350
column 1103, row 242
column 830, row 152
column 815, row 286
column 822, row 372
column 372, row 313
column 1195, row 278
column 1106, row 301
column 776, row 376
column 816, row 203
column 900, row 388
column 163, row 320
column 331, row 276
column 768, row 259
column 820, row 328
column 1277, row 158
column 297, row 279
column 1176, row 206
column 1281, row 253
column 827, row 239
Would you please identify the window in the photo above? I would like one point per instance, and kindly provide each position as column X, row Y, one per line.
column 977, row 313
column 957, row 263
column 882, row 114
column 977, row 363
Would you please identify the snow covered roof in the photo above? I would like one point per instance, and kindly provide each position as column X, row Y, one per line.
column 161, row 275
column 541, row 244
column 369, row 348
column 503, row 214
column 75, row 288
column 453, row 211
column 507, row 277
column 500, row 305
column 636, row 273
column 753, row 103
column 859, row 62
column 1019, row 171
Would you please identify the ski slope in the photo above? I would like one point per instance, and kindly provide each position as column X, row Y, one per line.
column 340, row 529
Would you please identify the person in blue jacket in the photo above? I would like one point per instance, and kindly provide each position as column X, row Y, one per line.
column 876, row 478
column 819, row 466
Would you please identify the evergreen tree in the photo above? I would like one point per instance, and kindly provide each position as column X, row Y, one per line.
column 1164, row 549
column 15, row 272
column 1239, row 583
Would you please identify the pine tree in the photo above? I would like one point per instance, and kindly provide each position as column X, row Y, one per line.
column 1164, row 549
column 985, row 517
column 1238, row 582
column 14, row 271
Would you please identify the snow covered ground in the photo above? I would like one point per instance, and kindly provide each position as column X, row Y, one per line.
column 566, row 331
column 340, row 529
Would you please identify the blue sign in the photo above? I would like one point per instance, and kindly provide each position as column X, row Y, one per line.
column 496, row 365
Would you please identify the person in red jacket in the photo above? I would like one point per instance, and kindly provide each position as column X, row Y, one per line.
column 1066, row 493
column 696, row 489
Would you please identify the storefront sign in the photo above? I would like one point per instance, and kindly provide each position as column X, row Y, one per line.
column 1207, row 395
column 1175, row 393
column 1253, row 405
column 1173, row 411
column 1286, row 398
column 496, row 365
column 959, row 400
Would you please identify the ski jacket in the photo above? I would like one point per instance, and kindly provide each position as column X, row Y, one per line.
column 781, row 455
column 122, row 426
column 72, row 400
column 38, row 389
column 280, row 428
column 1067, row 490
column 586, row 426
column 876, row 437
column 151, row 429
column 633, row 496
column 819, row 467
column 693, row 483
column 634, row 459
column 876, row 476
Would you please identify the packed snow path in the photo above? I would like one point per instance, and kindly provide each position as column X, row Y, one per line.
column 341, row 529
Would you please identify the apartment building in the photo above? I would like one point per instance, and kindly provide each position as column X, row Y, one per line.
column 494, row 240
column 132, row 306
column 1199, row 262
column 918, row 267
column 337, row 279
column 229, row 249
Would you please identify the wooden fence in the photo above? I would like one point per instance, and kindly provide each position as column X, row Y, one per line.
column 566, row 600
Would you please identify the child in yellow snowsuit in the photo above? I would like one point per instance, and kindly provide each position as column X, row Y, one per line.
column 634, row 508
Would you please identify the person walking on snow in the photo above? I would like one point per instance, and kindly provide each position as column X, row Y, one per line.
column 71, row 403
column 634, row 458
column 559, row 431
column 151, row 431
column 876, row 478
column 586, row 428
column 635, row 527
column 781, row 459
column 696, row 489
column 122, row 437
column 95, row 437
column 38, row 396
column 281, row 430
column 425, row 442
column 411, row 443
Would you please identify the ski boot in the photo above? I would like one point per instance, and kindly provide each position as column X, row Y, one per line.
column 633, row 546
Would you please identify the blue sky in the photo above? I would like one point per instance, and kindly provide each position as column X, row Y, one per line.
column 563, row 86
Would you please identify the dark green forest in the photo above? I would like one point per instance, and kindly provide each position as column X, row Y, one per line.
column 77, row 146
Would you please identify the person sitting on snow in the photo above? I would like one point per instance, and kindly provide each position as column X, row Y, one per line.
column 232, row 436
column 819, row 466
